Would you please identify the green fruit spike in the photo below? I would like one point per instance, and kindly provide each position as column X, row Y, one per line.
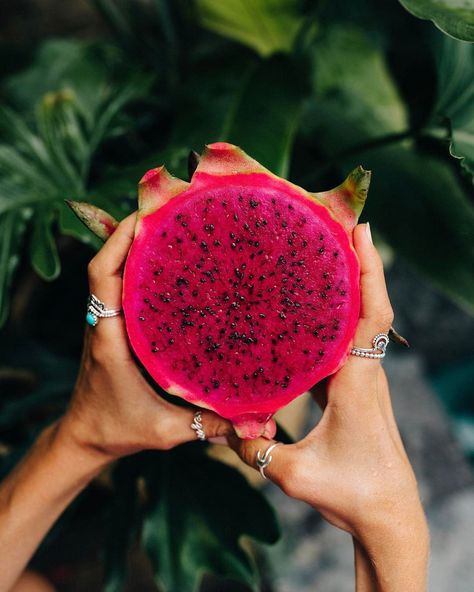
column 97, row 221
column 346, row 201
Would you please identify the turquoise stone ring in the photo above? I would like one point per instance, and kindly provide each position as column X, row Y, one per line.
column 91, row 319
column 96, row 310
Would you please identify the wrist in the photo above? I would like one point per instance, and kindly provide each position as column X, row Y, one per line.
column 68, row 439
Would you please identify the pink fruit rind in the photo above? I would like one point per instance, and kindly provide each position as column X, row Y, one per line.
column 249, row 417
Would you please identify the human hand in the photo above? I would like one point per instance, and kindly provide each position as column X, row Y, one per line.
column 352, row 467
column 114, row 411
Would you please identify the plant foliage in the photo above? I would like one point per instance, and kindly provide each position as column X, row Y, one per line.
column 308, row 89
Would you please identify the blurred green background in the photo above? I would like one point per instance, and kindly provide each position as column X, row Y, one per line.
column 92, row 94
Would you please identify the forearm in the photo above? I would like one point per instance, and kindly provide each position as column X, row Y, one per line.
column 396, row 558
column 36, row 493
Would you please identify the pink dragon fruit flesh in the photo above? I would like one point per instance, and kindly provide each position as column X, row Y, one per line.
column 241, row 290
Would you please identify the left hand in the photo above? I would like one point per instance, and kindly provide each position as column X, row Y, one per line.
column 114, row 411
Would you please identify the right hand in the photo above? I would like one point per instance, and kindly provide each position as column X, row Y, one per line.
column 352, row 467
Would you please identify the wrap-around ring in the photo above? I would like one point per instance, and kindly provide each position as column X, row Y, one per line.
column 265, row 458
column 379, row 342
column 197, row 426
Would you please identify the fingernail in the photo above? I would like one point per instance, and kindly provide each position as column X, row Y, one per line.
column 369, row 234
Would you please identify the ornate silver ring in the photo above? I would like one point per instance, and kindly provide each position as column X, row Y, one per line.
column 379, row 342
column 197, row 426
column 96, row 310
column 265, row 458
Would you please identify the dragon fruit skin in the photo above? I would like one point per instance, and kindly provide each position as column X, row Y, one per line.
column 241, row 307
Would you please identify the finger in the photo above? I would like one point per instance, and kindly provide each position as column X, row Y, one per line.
column 277, row 471
column 376, row 311
column 105, row 269
column 177, row 422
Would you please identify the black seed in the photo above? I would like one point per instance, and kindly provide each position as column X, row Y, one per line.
column 246, row 377
column 217, row 243
column 290, row 207
column 282, row 315
column 262, row 315
column 284, row 385
column 171, row 341
column 236, row 217
column 336, row 254
column 342, row 292
column 256, row 244
column 158, row 271
column 141, row 318
column 154, row 350
column 260, row 370
column 248, row 317
column 253, row 203
column 321, row 352
column 321, row 250
column 246, row 226
column 233, row 246
column 215, row 383
column 204, row 245
column 304, row 244
column 281, row 336
column 306, row 352
column 179, row 216
column 315, row 333
column 293, row 253
column 321, row 237
column 209, row 227
column 284, row 224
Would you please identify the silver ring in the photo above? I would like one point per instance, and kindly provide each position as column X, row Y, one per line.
column 197, row 426
column 378, row 351
column 265, row 458
column 96, row 310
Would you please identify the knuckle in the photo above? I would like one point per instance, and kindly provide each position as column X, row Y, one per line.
column 94, row 268
column 385, row 316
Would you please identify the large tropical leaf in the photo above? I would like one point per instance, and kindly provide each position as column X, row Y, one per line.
column 454, row 17
column 455, row 67
column 416, row 200
column 197, row 512
column 43, row 163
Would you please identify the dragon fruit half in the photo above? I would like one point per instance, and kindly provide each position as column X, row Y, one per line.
column 240, row 290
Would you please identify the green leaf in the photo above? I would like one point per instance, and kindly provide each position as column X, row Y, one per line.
column 12, row 228
column 198, row 510
column 43, row 251
column 267, row 26
column 455, row 65
column 350, row 73
column 454, row 17
column 416, row 201
column 267, row 112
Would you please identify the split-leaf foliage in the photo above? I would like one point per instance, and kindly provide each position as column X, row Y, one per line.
column 310, row 89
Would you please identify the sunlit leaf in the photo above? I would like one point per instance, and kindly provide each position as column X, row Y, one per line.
column 268, row 26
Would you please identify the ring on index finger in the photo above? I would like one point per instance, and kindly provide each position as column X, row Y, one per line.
column 378, row 351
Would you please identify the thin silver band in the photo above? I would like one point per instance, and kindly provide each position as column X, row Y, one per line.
column 378, row 351
column 98, row 308
column 265, row 458
column 197, row 426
